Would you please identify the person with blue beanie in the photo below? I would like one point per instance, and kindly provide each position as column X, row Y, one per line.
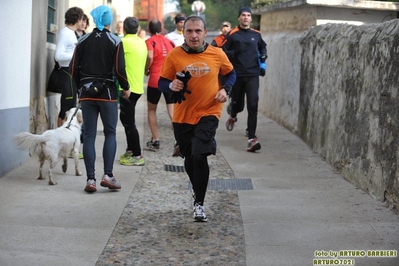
column 102, row 16
column 98, row 61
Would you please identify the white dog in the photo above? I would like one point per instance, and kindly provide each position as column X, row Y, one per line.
column 54, row 143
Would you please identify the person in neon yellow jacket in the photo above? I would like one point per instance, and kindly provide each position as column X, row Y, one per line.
column 135, row 51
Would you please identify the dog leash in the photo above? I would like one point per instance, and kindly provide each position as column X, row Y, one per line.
column 76, row 110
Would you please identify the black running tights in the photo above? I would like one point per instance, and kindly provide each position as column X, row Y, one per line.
column 197, row 169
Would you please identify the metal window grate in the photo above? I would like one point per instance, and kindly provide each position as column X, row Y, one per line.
column 217, row 184
column 174, row 168
column 228, row 184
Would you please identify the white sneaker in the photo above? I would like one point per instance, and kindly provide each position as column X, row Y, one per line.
column 90, row 186
column 230, row 123
column 199, row 213
column 253, row 145
column 110, row 182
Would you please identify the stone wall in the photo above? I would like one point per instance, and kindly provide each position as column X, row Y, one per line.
column 345, row 98
column 279, row 89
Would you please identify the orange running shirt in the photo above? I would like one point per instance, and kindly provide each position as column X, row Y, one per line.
column 219, row 40
column 204, row 83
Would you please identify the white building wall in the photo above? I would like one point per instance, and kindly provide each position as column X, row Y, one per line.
column 15, row 57
column 15, row 53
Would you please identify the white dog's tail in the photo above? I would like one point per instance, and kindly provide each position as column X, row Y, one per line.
column 26, row 140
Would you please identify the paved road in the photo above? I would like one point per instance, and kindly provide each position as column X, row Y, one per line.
column 281, row 206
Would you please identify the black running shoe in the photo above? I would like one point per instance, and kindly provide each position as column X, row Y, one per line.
column 152, row 145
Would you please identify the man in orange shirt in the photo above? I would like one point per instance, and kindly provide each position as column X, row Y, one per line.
column 219, row 40
column 199, row 100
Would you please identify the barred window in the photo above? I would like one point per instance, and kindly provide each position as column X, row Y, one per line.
column 51, row 25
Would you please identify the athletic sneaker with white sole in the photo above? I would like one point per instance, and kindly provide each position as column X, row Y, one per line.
column 230, row 123
column 133, row 160
column 199, row 213
column 253, row 145
column 110, row 182
column 90, row 186
column 152, row 145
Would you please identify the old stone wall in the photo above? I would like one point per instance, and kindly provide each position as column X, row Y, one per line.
column 349, row 102
column 279, row 89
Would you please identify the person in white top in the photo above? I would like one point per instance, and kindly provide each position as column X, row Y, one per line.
column 177, row 35
column 66, row 43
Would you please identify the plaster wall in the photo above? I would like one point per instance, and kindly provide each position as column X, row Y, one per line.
column 15, row 82
column 298, row 19
column 303, row 17
column 352, row 16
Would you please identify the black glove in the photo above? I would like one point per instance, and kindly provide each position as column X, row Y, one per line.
column 262, row 72
column 262, row 68
column 184, row 76
column 178, row 97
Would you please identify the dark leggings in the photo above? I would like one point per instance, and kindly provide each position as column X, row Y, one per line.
column 109, row 116
column 197, row 142
column 197, row 169
column 127, row 117
column 246, row 86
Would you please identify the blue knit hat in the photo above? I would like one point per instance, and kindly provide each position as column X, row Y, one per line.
column 102, row 16
column 244, row 9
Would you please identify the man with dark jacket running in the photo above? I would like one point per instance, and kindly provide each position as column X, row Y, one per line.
column 246, row 50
